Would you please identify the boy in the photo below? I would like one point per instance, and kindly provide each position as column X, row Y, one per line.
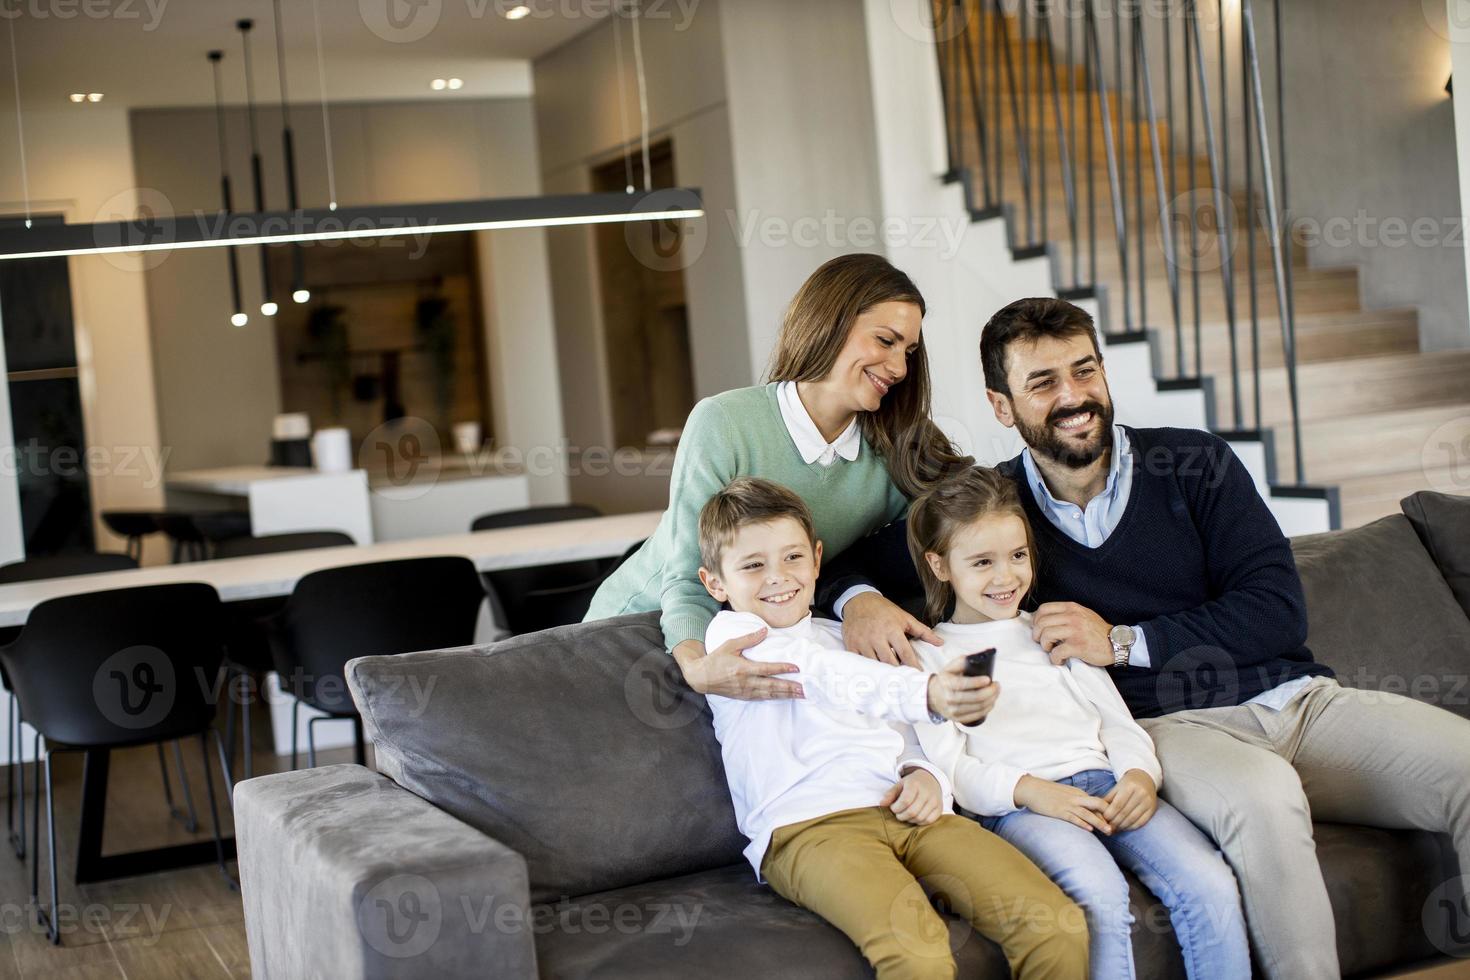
column 844, row 815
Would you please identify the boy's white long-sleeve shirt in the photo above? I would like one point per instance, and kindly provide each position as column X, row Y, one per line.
column 839, row 748
column 1049, row 721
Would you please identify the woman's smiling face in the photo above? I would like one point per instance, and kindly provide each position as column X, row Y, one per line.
column 876, row 355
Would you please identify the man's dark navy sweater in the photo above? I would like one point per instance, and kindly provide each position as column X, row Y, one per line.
column 1197, row 561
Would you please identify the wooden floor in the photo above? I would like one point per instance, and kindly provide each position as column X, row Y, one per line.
column 187, row 923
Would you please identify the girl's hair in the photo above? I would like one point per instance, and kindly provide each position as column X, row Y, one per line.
column 815, row 329
column 936, row 517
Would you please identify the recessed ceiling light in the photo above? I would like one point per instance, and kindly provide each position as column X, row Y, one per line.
column 94, row 96
column 79, row 96
column 517, row 12
column 456, row 83
column 438, row 84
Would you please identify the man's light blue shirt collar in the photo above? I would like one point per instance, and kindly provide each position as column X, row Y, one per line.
column 1094, row 524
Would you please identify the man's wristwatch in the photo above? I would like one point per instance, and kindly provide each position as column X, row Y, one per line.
column 1122, row 638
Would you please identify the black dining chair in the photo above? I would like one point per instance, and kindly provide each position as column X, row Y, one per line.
column 188, row 540
column 112, row 670
column 135, row 525
column 248, row 647
column 387, row 607
column 30, row 570
column 217, row 527
column 547, row 595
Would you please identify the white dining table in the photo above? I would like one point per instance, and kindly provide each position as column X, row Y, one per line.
column 261, row 576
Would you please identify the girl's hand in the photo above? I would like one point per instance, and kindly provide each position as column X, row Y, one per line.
column 1131, row 801
column 728, row 673
column 880, row 630
column 1063, row 802
column 966, row 700
column 916, row 798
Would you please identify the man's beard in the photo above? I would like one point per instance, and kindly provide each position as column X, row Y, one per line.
column 1045, row 440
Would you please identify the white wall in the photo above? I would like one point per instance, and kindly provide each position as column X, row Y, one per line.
column 80, row 164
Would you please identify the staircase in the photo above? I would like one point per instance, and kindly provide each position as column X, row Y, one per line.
column 1378, row 418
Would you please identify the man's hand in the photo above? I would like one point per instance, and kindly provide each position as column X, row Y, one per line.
column 1063, row 802
column 1068, row 631
column 880, row 630
column 728, row 673
column 916, row 798
column 1132, row 800
column 966, row 700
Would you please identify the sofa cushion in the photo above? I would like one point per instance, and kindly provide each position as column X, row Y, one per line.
column 1442, row 522
column 580, row 747
column 1381, row 615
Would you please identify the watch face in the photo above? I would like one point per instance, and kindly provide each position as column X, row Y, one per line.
column 1123, row 636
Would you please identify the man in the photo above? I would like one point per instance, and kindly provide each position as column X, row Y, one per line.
column 1161, row 561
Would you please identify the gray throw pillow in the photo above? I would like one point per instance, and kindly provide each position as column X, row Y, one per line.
column 1442, row 522
column 580, row 747
column 1380, row 614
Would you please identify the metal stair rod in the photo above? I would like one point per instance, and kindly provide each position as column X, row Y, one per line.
column 1189, row 156
column 1166, row 217
column 977, row 106
column 1286, row 244
column 1122, row 150
column 997, row 56
column 1120, row 230
column 1273, row 217
column 1064, row 161
column 1023, row 157
column 1228, row 226
column 1071, row 63
column 1138, row 229
column 1025, row 117
column 1165, row 232
column 1088, row 67
column 1251, row 224
column 1040, row 19
column 1212, row 153
column 946, row 92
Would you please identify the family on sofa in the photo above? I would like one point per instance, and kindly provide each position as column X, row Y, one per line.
column 1153, row 705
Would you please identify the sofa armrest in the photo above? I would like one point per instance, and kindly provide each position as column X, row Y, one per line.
column 346, row 874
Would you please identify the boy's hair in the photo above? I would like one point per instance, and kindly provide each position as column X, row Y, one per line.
column 746, row 500
column 1029, row 320
column 935, row 518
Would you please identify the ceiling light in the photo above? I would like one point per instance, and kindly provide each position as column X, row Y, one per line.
column 79, row 97
column 239, row 320
column 203, row 229
column 517, row 12
column 267, row 308
column 301, row 295
column 438, row 84
column 456, row 83
column 94, row 96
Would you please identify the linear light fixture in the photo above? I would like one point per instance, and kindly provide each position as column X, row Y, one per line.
column 214, row 229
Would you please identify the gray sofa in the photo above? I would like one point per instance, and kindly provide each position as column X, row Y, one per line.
column 554, row 805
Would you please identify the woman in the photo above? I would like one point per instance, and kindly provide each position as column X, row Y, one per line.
column 844, row 422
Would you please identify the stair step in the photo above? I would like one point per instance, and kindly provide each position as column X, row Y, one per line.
column 1365, row 499
column 1376, row 443
column 1319, row 337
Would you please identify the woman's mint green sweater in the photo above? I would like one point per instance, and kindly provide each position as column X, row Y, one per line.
column 740, row 433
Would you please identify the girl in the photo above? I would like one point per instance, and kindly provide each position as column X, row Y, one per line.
column 844, row 422
column 1059, row 767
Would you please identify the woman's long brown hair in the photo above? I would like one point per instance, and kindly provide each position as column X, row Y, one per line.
column 816, row 327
